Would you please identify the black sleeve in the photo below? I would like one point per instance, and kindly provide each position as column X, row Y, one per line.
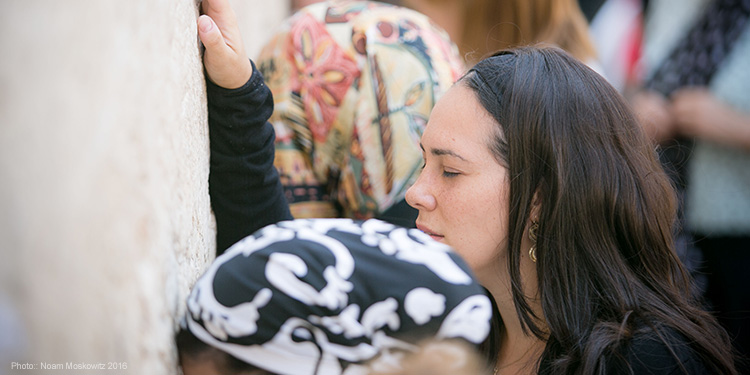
column 245, row 189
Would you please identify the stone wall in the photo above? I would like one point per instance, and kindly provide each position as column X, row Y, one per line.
column 105, row 219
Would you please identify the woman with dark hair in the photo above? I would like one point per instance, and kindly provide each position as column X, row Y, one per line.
column 538, row 174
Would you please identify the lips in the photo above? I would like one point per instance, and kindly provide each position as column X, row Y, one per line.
column 431, row 233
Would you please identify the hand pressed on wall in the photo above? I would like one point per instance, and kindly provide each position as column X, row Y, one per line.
column 225, row 60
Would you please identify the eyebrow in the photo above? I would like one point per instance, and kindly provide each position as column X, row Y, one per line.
column 443, row 152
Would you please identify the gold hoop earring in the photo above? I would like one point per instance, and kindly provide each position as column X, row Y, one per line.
column 532, row 236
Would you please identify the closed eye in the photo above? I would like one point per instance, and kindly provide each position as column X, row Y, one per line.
column 450, row 174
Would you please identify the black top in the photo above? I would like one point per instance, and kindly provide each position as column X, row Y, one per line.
column 647, row 354
column 245, row 189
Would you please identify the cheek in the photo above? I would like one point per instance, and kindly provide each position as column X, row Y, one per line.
column 481, row 226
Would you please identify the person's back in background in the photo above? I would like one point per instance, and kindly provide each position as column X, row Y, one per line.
column 353, row 84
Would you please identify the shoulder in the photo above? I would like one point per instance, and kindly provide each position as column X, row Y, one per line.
column 659, row 351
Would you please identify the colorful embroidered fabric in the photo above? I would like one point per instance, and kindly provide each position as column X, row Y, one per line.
column 353, row 84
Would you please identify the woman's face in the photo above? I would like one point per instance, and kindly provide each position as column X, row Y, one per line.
column 462, row 193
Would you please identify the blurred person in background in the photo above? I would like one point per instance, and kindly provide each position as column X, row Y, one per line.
column 480, row 27
column 616, row 27
column 695, row 105
column 353, row 84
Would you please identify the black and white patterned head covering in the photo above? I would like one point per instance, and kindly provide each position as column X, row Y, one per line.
column 324, row 296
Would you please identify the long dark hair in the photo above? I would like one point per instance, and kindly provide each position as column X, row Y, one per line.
column 605, row 260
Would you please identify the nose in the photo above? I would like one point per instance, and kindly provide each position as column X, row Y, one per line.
column 419, row 195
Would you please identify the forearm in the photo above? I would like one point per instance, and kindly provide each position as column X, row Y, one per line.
column 245, row 190
column 734, row 130
column 698, row 113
